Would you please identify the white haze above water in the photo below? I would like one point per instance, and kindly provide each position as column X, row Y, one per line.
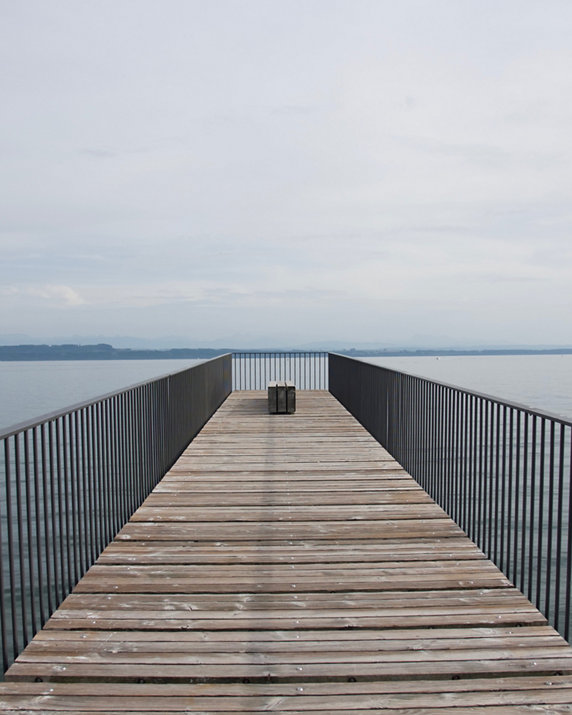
column 31, row 389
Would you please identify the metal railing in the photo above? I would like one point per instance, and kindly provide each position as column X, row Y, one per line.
column 501, row 470
column 70, row 480
column 253, row 370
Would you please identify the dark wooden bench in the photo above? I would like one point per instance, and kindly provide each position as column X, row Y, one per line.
column 281, row 397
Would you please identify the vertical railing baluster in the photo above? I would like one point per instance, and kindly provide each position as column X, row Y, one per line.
column 495, row 456
column 532, row 490
column 29, row 526
column 53, row 543
column 91, row 479
column 20, row 515
column 549, row 530
column 511, row 511
column 4, row 622
column 10, row 543
column 504, row 503
column 524, row 520
column 568, row 594
column 481, row 471
column 559, row 529
column 517, row 494
column 541, row 488
column 37, row 526
column 60, row 479
column 474, row 467
column 464, row 463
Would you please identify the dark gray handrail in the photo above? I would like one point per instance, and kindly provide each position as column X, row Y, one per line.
column 501, row 470
column 55, row 414
column 465, row 390
column 253, row 370
column 71, row 479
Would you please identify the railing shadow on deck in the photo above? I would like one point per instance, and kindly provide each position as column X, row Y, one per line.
column 501, row 470
column 70, row 480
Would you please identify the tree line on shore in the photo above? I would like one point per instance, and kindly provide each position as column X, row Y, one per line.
column 103, row 351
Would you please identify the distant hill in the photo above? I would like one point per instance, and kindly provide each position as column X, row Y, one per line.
column 434, row 352
column 103, row 351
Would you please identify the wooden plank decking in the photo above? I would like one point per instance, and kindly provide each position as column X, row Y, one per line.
column 286, row 563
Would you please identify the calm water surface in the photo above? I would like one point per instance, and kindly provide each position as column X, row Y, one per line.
column 31, row 389
column 541, row 381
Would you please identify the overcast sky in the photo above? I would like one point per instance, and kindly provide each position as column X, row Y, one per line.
column 286, row 172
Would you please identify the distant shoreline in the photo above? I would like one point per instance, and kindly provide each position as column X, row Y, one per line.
column 103, row 351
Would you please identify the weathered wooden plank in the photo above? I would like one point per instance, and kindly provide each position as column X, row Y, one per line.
column 459, row 687
column 314, row 571
column 229, row 513
column 486, row 598
column 297, row 531
column 288, row 564
column 254, row 624
column 273, row 614
column 96, row 650
column 236, row 496
column 167, row 672
column 298, row 636
column 129, row 552
column 477, row 710
column 309, row 485
column 300, row 702
column 328, row 659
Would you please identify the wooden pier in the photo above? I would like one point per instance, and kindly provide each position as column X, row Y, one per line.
column 286, row 563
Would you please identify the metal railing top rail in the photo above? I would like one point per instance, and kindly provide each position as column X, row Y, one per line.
column 14, row 429
column 533, row 411
column 253, row 369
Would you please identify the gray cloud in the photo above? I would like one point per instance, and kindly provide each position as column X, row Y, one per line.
column 363, row 170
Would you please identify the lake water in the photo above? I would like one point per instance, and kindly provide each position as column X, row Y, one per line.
column 31, row 389
column 540, row 381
